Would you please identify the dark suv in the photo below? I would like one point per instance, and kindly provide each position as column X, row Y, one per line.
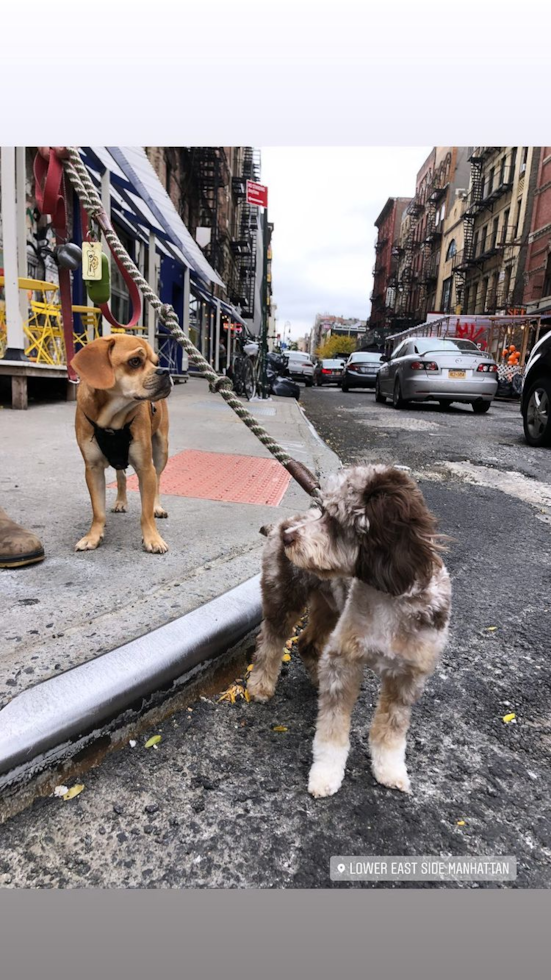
column 535, row 403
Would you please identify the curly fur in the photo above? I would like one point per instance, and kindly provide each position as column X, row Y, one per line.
column 368, row 567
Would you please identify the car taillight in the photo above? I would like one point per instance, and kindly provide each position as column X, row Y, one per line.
column 352, row 367
column 424, row 366
column 490, row 368
column 325, row 371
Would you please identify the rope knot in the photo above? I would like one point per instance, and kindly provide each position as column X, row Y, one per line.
column 168, row 313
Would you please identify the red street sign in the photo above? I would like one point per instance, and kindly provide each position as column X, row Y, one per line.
column 257, row 194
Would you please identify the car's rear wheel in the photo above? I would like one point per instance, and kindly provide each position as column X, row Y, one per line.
column 444, row 404
column 537, row 414
column 397, row 399
column 480, row 407
column 345, row 387
column 308, row 382
column 379, row 397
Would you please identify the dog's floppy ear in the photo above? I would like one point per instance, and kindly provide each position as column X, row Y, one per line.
column 399, row 547
column 93, row 363
column 152, row 356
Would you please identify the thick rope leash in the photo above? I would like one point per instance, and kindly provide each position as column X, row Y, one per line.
column 86, row 191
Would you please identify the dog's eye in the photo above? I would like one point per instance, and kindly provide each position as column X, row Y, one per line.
column 135, row 362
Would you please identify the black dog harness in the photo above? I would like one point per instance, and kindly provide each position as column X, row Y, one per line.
column 115, row 443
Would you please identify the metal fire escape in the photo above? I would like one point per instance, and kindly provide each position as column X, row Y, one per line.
column 406, row 276
column 205, row 172
column 465, row 259
column 244, row 247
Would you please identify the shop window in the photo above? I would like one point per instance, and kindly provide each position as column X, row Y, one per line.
column 120, row 300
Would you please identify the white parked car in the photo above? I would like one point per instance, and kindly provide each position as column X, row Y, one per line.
column 301, row 367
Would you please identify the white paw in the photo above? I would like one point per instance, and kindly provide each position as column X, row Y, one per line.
column 389, row 768
column 325, row 779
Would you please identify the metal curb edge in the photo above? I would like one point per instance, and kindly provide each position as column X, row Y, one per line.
column 80, row 699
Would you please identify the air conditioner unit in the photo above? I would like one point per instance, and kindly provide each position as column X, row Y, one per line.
column 522, row 168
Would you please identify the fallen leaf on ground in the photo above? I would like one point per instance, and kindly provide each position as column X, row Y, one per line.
column 460, row 823
column 249, row 668
column 154, row 740
column 279, row 728
column 61, row 790
column 233, row 692
column 74, row 791
column 491, row 629
column 247, row 696
column 508, row 718
column 286, row 658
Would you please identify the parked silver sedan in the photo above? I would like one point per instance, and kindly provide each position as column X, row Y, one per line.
column 432, row 369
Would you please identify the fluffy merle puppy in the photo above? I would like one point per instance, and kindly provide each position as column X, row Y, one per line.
column 367, row 565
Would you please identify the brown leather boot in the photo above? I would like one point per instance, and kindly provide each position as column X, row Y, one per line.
column 17, row 545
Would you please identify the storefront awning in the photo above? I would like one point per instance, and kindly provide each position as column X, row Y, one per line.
column 226, row 308
column 139, row 199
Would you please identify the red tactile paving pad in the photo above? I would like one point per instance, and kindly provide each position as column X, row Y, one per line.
column 221, row 476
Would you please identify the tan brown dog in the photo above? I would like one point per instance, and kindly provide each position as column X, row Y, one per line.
column 117, row 424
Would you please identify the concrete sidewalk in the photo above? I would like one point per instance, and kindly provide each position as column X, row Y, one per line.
column 72, row 607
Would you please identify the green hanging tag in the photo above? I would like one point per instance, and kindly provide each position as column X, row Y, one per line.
column 99, row 290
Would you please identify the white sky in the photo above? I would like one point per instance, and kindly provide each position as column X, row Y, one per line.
column 323, row 202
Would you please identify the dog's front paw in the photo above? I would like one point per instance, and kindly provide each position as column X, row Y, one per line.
column 160, row 512
column 89, row 542
column 325, row 779
column 119, row 508
column 155, row 545
column 389, row 768
column 259, row 686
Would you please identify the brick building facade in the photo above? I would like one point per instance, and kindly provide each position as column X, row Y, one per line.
column 384, row 271
column 537, row 276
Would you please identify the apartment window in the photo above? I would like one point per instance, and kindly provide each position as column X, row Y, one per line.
column 505, row 226
column 495, row 227
column 475, row 243
column 524, row 158
column 446, row 295
column 547, row 278
column 483, row 295
column 491, row 297
column 490, row 183
column 483, row 239
column 517, row 221
column 443, row 212
column 502, row 172
column 506, row 286
column 513, row 161
column 452, row 250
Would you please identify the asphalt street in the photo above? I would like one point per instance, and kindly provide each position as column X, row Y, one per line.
column 221, row 800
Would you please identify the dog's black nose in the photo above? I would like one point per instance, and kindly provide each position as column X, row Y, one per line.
column 290, row 534
column 162, row 371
